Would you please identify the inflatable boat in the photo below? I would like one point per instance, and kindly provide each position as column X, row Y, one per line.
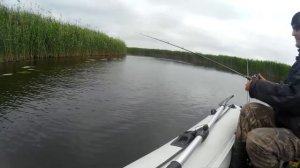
column 206, row 145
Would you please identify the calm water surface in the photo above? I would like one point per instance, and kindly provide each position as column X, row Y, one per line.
column 95, row 113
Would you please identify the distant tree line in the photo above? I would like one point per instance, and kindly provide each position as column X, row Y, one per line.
column 271, row 70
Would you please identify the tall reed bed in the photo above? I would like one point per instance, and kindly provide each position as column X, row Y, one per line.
column 24, row 35
column 271, row 70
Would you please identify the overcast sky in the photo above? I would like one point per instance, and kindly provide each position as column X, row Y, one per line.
column 256, row 29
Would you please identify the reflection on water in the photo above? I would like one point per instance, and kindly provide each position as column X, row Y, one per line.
column 97, row 113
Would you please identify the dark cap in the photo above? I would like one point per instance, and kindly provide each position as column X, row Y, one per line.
column 296, row 19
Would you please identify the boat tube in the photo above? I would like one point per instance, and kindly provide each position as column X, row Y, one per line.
column 215, row 135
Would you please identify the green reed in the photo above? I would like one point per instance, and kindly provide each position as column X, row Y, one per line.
column 271, row 70
column 25, row 35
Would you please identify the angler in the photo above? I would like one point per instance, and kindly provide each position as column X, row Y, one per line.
column 268, row 134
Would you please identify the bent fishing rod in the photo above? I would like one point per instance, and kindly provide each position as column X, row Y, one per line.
column 224, row 66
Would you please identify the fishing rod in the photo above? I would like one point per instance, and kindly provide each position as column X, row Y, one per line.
column 235, row 71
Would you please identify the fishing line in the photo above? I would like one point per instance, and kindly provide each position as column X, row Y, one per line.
column 235, row 71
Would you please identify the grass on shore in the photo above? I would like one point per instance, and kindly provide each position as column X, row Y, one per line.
column 26, row 36
column 271, row 70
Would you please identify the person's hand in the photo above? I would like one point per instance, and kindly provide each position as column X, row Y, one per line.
column 247, row 85
column 254, row 77
column 259, row 76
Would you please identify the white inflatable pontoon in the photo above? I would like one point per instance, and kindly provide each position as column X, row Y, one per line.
column 205, row 145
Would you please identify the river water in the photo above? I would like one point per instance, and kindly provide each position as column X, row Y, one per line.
column 98, row 113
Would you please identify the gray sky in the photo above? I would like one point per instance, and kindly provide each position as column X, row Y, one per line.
column 256, row 29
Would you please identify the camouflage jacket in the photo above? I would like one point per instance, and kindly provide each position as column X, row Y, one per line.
column 283, row 97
